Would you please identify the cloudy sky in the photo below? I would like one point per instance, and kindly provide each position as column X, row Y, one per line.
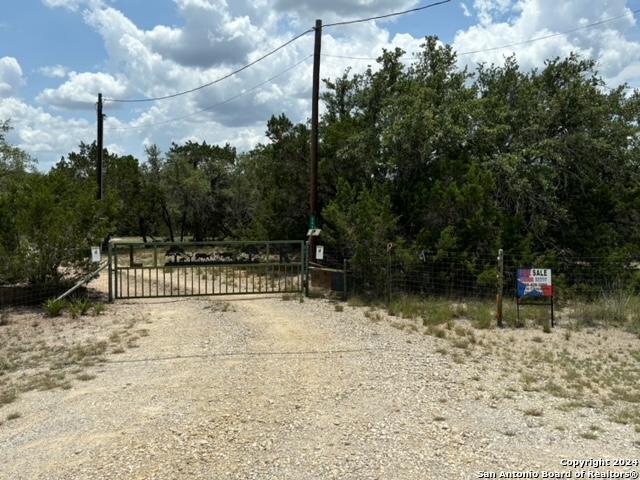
column 56, row 55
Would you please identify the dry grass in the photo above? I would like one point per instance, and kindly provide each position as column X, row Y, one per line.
column 39, row 353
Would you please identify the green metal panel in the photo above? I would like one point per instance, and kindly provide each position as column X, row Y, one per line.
column 252, row 268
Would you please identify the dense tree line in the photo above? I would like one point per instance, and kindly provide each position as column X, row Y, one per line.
column 426, row 155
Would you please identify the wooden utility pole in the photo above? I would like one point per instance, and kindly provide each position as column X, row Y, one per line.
column 313, row 193
column 500, row 285
column 100, row 148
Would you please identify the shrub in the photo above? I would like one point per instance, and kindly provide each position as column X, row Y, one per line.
column 53, row 307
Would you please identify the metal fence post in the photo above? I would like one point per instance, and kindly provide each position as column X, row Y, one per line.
column 344, row 279
column 500, row 285
column 110, row 276
column 306, row 269
column 388, row 275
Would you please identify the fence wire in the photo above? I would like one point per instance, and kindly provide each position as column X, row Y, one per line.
column 475, row 276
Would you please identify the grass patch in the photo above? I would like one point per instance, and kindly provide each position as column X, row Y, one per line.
column 13, row 416
column 339, row 308
column 98, row 308
column 7, row 397
column 54, row 308
column 589, row 435
column 85, row 377
column 431, row 311
column 533, row 412
column 461, row 343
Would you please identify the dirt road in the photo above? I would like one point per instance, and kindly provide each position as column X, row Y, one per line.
column 271, row 389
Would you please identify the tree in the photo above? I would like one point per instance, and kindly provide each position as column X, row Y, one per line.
column 275, row 179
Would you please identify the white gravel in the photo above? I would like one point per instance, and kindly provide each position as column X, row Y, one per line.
column 273, row 389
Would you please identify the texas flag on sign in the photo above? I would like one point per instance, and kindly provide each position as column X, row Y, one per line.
column 534, row 282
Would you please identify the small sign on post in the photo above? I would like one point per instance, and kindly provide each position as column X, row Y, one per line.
column 319, row 252
column 534, row 283
column 95, row 254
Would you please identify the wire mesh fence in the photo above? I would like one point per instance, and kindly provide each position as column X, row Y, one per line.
column 476, row 276
column 33, row 277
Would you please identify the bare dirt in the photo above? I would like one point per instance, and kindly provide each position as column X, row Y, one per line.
column 257, row 387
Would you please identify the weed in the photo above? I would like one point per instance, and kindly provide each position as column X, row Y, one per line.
column 117, row 350
column 4, row 319
column 589, row 435
column 53, row 307
column 339, row 308
column 533, row 412
column 461, row 343
column 286, row 297
column 459, row 310
column 98, row 308
column 85, row 377
column 546, row 325
column 439, row 418
column 13, row 416
column 7, row 397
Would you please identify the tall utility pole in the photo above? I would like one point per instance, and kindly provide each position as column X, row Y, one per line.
column 313, row 193
column 99, row 153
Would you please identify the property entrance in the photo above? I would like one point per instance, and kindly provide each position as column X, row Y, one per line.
column 168, row 269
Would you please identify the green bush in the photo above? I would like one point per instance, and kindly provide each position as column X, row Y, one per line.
column 53, row 307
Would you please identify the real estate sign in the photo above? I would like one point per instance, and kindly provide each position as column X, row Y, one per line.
column 534, row 282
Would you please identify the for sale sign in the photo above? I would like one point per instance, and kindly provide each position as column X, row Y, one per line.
column 534, row 282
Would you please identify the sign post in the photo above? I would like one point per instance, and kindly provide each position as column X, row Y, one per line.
column 534, row 283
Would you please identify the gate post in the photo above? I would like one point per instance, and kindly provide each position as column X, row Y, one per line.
column 110, row 276
column 306, row 268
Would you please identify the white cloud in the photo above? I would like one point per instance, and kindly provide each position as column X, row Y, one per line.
column 54, row 71
column 465, row 9
column 10, row 76
column 81, row 90
column 41, row 134
column 508, row 22
column 72, row 5
column 216, row 36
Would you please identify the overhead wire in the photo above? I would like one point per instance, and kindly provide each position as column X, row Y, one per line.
column 215, row 105
column 268, row 54
column 213, row 82
column 388, row 15
column 509, row 45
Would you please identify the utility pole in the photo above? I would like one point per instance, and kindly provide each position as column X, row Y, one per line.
column 99, row 155
column 313, row 193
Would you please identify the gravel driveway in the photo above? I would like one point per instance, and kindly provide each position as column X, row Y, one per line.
column 262, row 388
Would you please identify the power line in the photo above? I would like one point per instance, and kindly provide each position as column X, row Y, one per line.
column 524, row 42
column 268, row 54
column 210, row 107
column 217, row 80
column 394, row 14
column 545, row 37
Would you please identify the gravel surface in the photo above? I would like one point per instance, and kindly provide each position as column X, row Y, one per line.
column 261, row 388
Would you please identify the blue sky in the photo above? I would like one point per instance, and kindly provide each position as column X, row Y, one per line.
column 55, row 55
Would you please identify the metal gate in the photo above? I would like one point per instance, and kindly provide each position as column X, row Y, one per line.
column 168, row 269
